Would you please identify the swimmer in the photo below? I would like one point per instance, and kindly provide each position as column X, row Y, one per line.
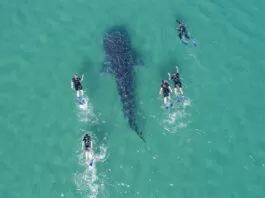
column 76, row 83
column 166, row 89
column 87, row 146
column 183, row 33
column 177, row 82
column 182, row 30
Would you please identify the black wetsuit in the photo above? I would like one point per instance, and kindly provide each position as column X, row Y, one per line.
column 87, row 142
column 175, row 78
column 183, row 31
column 165, row 88
column 77, row 83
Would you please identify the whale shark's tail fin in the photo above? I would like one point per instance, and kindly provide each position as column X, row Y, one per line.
column 140, row 134
column 134, row 127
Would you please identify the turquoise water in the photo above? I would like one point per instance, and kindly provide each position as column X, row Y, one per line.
column 213, row 146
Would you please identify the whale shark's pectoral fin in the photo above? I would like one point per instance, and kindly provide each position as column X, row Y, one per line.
column 107, row 67
column 136, row 60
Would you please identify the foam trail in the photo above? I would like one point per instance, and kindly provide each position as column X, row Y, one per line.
column 86, row 178
column 88, row 182
column 174, row 118
column 86, row 112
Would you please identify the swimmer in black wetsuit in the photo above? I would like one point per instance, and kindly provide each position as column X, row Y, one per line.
column 76, row 83
column 87, row 145
column 183, row 32
column 176, row 79
column 165, row 89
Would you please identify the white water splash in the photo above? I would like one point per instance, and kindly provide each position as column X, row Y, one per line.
column 176, row 117
column 87, row 181
column 86, row 112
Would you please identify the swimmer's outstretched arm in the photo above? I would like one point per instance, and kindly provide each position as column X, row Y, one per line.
column 169, row 77
column 83, row 145
column 82, row 78
column 72, row 84
column 178, row 29
column 161, row 89
column 177, row 69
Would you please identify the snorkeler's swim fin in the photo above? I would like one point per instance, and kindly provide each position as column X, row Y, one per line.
column 91, row 162
column 184, row 41
column 194, row 42
column 170, row 105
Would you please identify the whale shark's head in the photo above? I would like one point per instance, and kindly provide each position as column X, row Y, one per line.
column 116, row 42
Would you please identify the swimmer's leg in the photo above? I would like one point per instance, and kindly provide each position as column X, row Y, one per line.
column 177, row 94
column 180, row 87
column 165, row 101
column 182, row 95
column 170, row 102
column 180, row 36
column 86, row 155
column 181, row 91
column 82, row 92
column 77, row 93
column 182, row 39
column 176, row 91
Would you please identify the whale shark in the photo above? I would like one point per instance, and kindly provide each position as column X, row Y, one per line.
column 120, row 60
